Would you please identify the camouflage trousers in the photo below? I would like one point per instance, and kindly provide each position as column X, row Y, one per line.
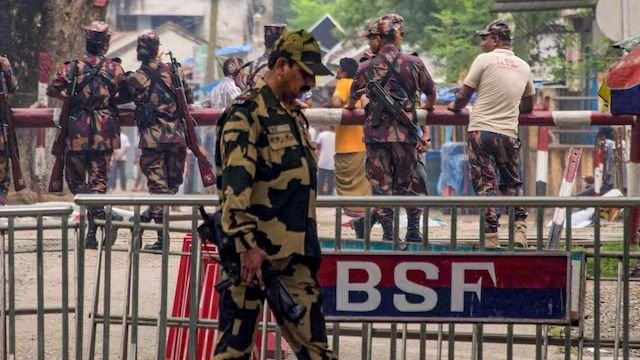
column 391, row 170
column 492, row 155
column 86, row 172
column 5, row 180
column 164, row 168
column 241, row 306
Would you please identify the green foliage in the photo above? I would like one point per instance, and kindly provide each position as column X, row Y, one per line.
column 308, row 12
column 450, row 38
column 609, row 267
column 595, row 59
column 282, row 11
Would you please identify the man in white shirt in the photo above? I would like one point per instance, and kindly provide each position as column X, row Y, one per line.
column 505, row 89
column 119, row 164
column 326, row 149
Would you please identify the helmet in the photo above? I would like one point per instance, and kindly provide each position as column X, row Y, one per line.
column 496, row 27
column 149, row 40
column 97, row 31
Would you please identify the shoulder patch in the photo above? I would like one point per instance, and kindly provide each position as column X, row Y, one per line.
column 247, row 96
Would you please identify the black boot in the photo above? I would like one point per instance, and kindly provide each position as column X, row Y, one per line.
column 357, row 225
column 90, row 241
column 145, row 216
column 413, row 229
column 387, row 232
column 156, row 246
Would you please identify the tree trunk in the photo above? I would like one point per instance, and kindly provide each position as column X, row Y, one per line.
column 28, row 27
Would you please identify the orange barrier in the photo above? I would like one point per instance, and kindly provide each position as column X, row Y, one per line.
column 178, row 337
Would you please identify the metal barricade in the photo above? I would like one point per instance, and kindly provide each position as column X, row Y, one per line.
column 376, row 341
column 16, row 310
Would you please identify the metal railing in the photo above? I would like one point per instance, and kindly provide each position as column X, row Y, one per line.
column 11, row 306
column 397, row 335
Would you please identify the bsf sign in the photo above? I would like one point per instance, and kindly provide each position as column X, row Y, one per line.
column 447, row 287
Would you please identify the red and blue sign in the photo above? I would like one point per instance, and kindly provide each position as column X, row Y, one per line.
column 515, row 287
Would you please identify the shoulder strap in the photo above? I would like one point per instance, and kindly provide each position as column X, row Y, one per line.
column 156, row 78
column 95, row 72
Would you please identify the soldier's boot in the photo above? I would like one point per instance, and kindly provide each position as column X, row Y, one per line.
column 357, row 225
column 156, row 246
column 99, row 213
column 387, row 232
column 90, row 241
column 520, row 236
column 491, row 240
column 145, row 216
column 413, row 229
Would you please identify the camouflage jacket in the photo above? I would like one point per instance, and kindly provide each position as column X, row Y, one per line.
column 167, row 128
column 266, row 171
column 12, row 84
column 403, row 84
column 93, row 121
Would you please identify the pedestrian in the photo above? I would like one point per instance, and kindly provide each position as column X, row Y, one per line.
column 229, row 86
column 256, row 69
column 349, row 160
column 267, row 187
column 505, row 89
column 326, row 150
column 391, row 143
column 119, row 164
column 11, row 84
column 162, row 141
column 94, row 129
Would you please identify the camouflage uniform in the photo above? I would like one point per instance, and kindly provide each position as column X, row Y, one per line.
column 391, row 143
column 486, row 149
column 162, row 141
column 257, row 68
column 94, row 128
column 5, row 179
column 267, row 185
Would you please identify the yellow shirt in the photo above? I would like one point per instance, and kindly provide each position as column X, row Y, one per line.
column 348, row 137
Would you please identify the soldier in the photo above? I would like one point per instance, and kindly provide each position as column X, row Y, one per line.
column 258, row 67
column 391, row 143
column 162, row 141
column 267, row 186
column 94, row 130
column 505, row 89
column 12, row 84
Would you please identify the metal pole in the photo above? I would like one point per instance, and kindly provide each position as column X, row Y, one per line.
column 135, row 281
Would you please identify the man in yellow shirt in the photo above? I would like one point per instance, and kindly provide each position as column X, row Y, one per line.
column 350, row 154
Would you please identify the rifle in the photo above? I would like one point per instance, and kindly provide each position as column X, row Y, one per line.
column 60, row 145
column 384, row 101
column 279, row 298
column 9, row 133
column 206, row 171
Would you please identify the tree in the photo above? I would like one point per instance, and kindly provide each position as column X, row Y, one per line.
column 450, row 38
column 307, row 12
column 31, row 26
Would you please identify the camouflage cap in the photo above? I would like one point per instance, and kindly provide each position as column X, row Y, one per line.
column 304, row 50
column 149, row 40
column 272, row 33
column 496, row 27
column 396, row 19
column 381, row 26
column 97, row 31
